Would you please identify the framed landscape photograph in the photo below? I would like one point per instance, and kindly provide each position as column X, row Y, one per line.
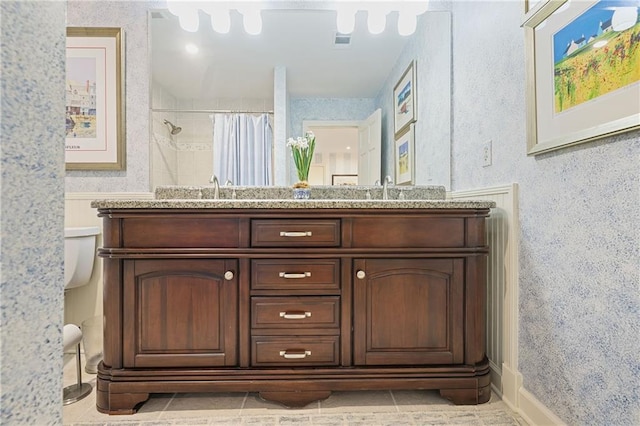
column 95, row 135
column 583, row 72
column 404, row 154
column 404, row 100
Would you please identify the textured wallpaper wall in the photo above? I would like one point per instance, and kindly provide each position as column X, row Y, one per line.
column 580, row 246
column 353, row 109
column 32, row 66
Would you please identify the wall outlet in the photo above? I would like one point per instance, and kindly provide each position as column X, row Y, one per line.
column 486, row 154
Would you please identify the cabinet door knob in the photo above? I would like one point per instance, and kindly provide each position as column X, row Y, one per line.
column 228, row 275
column 360, row 274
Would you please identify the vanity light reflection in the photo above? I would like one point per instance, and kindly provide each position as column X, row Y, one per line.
column 377, row 11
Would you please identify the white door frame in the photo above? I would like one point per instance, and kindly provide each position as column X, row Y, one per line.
column 306, row 124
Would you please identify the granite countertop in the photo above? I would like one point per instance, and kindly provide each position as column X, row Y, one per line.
column 290, row 204
column 322, row 197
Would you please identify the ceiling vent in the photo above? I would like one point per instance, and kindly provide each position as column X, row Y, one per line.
column 342, row 40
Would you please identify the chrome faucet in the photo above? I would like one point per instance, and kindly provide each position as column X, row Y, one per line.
column 216, row 186
column 387, row 181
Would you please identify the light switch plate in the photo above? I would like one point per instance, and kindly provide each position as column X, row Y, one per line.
column 486, row 154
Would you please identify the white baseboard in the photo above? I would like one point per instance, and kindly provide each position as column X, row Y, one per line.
column 511, row 384
column 535, row 412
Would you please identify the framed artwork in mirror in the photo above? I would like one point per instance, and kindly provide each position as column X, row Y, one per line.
column 344, row 179
column 95, row 134
column 583, row 73
column 404, row 154
column 404, row 100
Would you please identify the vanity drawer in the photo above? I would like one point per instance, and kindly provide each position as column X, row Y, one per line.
column 295, row 233
column 295, row 312
column 295, row 274
column 294, row 351
column 184, row 232
column 403, row 232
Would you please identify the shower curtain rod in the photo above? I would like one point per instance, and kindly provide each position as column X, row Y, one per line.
column 209, row 111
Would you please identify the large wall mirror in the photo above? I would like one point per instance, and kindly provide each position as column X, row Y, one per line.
column 331, row 84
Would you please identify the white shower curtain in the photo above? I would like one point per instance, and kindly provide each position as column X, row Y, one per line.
column 242, row 146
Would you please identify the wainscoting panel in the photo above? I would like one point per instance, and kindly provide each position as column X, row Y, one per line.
column 502, row 277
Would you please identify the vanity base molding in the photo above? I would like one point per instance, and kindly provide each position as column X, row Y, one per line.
column 292, row 303
column 124, row 391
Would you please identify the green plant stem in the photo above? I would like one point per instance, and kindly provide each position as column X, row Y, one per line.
column 302, row 159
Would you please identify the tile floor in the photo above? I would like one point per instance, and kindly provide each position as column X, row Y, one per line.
column 369, row 408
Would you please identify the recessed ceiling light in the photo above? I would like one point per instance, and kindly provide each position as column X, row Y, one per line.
column 191, row 48
column 348, row 147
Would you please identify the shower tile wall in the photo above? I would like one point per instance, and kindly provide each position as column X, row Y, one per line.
column 164, row 153
column 187, row 158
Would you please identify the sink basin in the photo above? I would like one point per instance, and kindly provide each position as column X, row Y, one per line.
column 320, row 192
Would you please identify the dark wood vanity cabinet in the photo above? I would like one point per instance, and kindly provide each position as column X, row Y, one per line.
column 180, row 313
column 408, row 311
column 292, row 303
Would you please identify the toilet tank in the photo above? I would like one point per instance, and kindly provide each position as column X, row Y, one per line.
column 79, row 255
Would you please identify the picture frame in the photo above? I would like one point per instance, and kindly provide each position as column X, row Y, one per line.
column 95, row 131
column 531, row 6
column 567, row 104
column 404, row 157
column 348, row 179
column 405, row 100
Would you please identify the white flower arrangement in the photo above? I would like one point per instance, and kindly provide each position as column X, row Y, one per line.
column 302, row 150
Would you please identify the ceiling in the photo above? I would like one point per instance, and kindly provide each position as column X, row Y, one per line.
column 238, row 65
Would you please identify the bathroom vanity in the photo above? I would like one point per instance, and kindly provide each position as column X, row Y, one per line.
column 292, row 299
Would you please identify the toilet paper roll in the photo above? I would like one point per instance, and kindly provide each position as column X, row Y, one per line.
column 71, row 336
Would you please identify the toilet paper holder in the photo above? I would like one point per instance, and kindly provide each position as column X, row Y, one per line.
column 72, row 335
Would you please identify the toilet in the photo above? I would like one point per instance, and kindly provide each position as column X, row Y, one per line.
column 79, row 256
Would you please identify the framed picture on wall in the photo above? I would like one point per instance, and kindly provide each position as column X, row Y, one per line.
column 95, row 135
column 404, row 154
column 531, row 6
column 583, row 78
column 344, row 179
column 404, row 100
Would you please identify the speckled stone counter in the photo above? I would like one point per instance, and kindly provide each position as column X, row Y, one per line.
column 290, row 204
column 322, row 197
column 418, row 192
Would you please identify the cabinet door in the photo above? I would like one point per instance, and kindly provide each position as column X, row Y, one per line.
column 408, row 311
column 180, row 313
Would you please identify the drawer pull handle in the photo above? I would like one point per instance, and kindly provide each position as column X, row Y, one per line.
column 360, row 274
column 228, row 275
column 295, row 315
column 294, row 274
column 295, row 234
column 295, row 354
